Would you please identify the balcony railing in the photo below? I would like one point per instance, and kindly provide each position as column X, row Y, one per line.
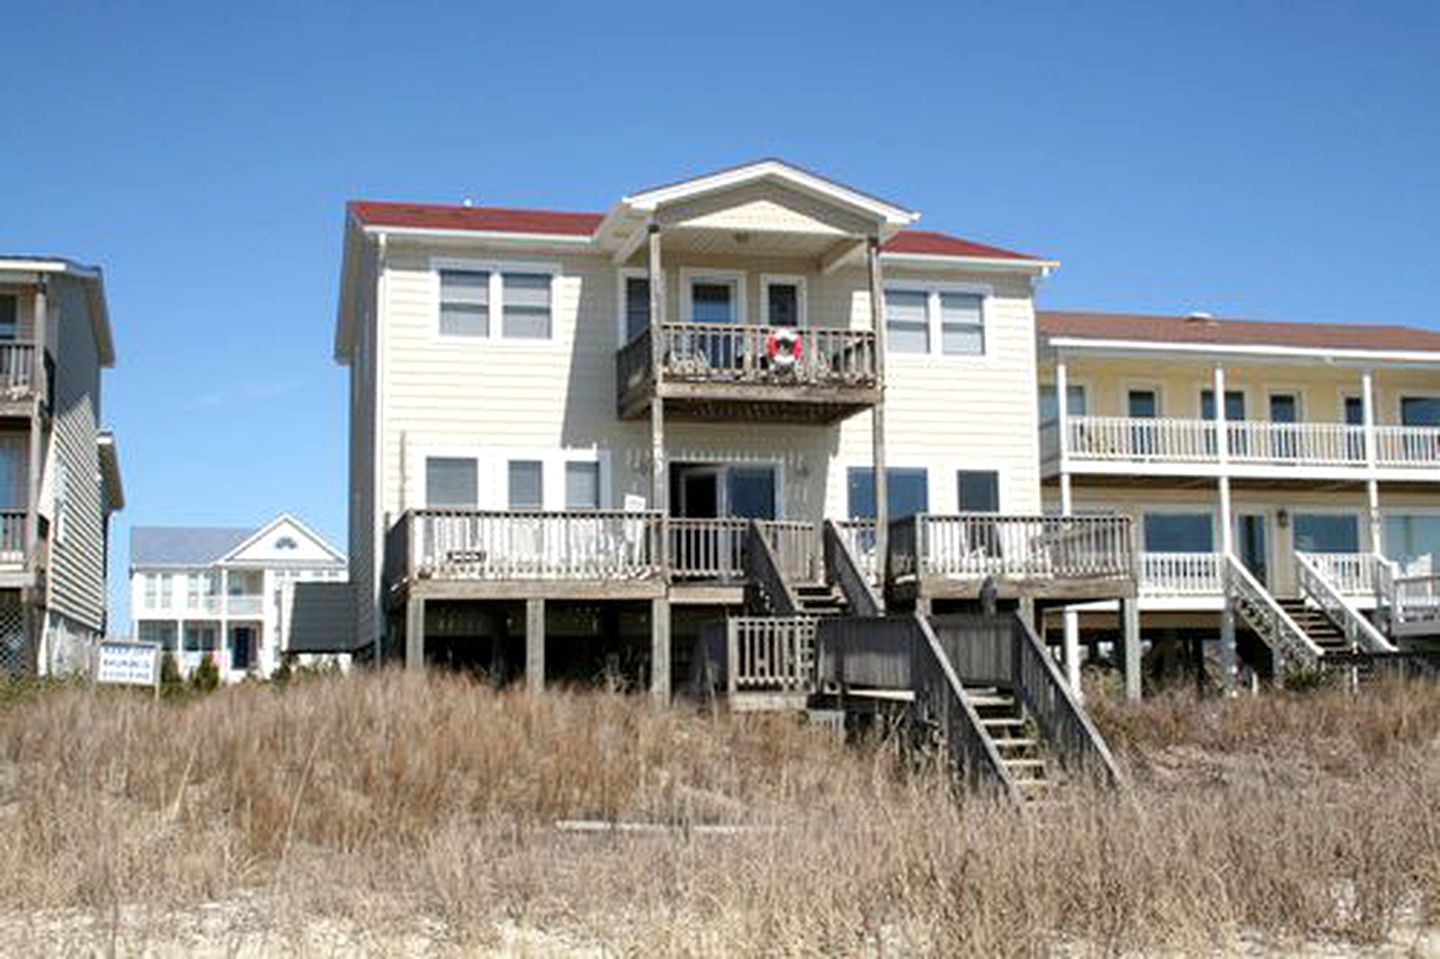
column 17, row 368
column 12, row 536
column 972, row 546
column 743, row 359
column 1146, row 440
column 243, row 605
column 1180, row 574
column 713, row 549
column 859, row 535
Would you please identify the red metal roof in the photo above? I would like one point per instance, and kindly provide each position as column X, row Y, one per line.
column 490, row 219
column 1232, row 332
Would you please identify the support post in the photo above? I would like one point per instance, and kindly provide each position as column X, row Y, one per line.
column 1070, row 620
column 660, row 650
column 1130, row 627
column 1027, row 612
column 415, row 634
column 659, row 467
column 535, row 645
column 877, row 414
column 1372, row 483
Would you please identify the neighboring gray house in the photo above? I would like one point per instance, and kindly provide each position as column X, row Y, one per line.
column 245, row 596
column 59, row 472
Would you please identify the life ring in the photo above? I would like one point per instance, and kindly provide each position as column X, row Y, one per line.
column 783, row 347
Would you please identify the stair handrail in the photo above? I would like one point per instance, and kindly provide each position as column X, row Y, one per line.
column 842, row 570
column 933, row 681
column 766, row 590
column 1065, row 723
column 1276, row 629
column 1360, row 633
column 1384, row 572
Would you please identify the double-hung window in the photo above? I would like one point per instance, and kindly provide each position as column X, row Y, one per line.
column 906, row 492
column 452, row 481
column 582, row 485
column 932, row 319
column 527, row 484
column 907, row 321
column 487, row 303
column 962, row 324
column 978, row 491
column 637, row 306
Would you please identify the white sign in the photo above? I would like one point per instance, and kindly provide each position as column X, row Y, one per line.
column 131, row 664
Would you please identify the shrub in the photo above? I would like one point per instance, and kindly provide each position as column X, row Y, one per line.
column 207, row 675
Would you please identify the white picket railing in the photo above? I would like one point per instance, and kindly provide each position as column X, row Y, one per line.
column 1360, row 633
column 1314, row 444
column 1130, row 438
column 1180, row 574
column 1351, row 574
column 1271, row 623
column 1407, row 446
column 976, row 545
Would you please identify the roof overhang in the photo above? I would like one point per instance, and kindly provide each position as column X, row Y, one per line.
column 1255, row 353
column 31, row 269
column 231, row 557
column 113, row 488
column 989, row 264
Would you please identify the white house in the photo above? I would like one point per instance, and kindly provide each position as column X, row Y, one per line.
column 232, row 593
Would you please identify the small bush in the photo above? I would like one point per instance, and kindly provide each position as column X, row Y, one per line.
column 206, row 677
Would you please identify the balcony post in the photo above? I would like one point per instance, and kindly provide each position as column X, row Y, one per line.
column 1070, row 619
column 1372, row 484
column 37, row 453
column 659, row 470
column 877, row 413
column 535, row 645
column 1130, row 632
column 415, row 633
column 660, row 650
column 1229, row 656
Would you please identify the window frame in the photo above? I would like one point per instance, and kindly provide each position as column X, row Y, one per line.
column 425, row 479
column 1071, row 385
column 497, row 269
column 934, row 319
column 690, row 275
column 566, row 465
column 1178, row 509
column 890, row 468
column 623, row 276
column 1400, row 399
column 802, row 305
column 524, row 460
column 1362, row 531
column 974, row 468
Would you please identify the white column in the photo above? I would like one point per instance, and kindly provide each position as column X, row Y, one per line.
column 877, row 413
column 1229, row 661
column 1372, row 482
column 1069, row 618
column 223, row 640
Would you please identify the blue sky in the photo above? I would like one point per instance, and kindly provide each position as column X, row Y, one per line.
column 1264, row 159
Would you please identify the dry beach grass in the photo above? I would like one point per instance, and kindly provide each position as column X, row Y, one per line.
column 394, row 814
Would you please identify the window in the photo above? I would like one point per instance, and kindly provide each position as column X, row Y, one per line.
column 9, row 317
column 1413, row 541
column 784, row 300
column 198, row 588
column 526, row 306
column 1142, row 404
column 750, row 491
column 1354, row 411
column 152, row 590
column 1327, row 533
column 526, row 484
column 160, row 634
column 1179, row 533
column 906, row 492
column 14, row 470
column 978, row 491
column 1420, row 410
column 451, row 482
column 1234, row 405
column 1050, row 409
column 637, row 306
column 167, row 590
column 1284, row 408
column 286, row 542
column 713, row 301
column 907, row 324
column 582, row 485
column 200, row 638
column 962, row 325
column 464, row 303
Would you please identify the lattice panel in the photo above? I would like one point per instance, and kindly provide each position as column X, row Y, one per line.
column 16, row 658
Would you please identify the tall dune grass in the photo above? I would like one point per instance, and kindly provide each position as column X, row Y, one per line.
column 402, row 806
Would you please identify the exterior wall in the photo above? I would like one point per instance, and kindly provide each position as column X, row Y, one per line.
column 515, row 398
column 77, row 531
column 364, row 523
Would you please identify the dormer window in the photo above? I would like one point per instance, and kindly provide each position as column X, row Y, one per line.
column 286, row 543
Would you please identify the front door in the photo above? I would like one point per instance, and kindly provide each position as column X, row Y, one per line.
column 699, row 492
column 242, row 647
column 1250, row 545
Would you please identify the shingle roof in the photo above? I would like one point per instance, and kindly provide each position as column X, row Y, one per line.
column 1233, row 332
column 491, row 219
column 183, row 545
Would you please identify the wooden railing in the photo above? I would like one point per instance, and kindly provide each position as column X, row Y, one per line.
column 976, row 545
column 521, row 544
column 1351, row 574
column 12, row 535
column 17, row 367
column 1180, row 574
column 843, row 571
column 1360, row 633
column 715, row 548
column 1315, row 444
column 1417, row 604
column 859, row 536
column 1271, row 623
column 767, row 588
column 903, row 652
column 740, row 353
column 1067, row 727
column 1129, row 438
column 770, row 654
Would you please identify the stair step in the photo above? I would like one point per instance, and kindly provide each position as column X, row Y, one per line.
column 997, row 721
column 1014, row 743
column 1024, row 763
column 986, row 702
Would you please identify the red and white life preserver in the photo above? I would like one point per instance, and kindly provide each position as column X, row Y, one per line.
column 783, row 347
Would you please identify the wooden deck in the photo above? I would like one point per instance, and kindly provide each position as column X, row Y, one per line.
column 710, row 371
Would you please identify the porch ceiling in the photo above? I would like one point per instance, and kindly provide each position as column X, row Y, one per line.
column 709, row 241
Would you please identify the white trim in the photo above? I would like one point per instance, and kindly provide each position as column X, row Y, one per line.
column 690, row 274
column 496, row 268
column 940, row 261
column 776, row 170
column 1268, row 352
column 796, row 280
column 622, row 274
column 567, row 241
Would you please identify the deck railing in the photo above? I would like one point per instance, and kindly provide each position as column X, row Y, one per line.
column 770, row 654
column 1351, row 574
column 17, row 367
column 244, row 605
column 859, row 535
column 1417, row 604
column 742, row 353
column 977, row 545
column 1268, row 618
column 843, row 571
column 522, row 544
column 1180, row 574
column 1171, row 440
column 12, row 536
column 713, row 549
column 1319, row 589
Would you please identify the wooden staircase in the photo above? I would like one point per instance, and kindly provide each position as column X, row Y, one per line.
column 1315, row 624
column 1014, row 735
column 818, row 599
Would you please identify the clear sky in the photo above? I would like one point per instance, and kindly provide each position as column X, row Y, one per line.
column 1277, row 160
